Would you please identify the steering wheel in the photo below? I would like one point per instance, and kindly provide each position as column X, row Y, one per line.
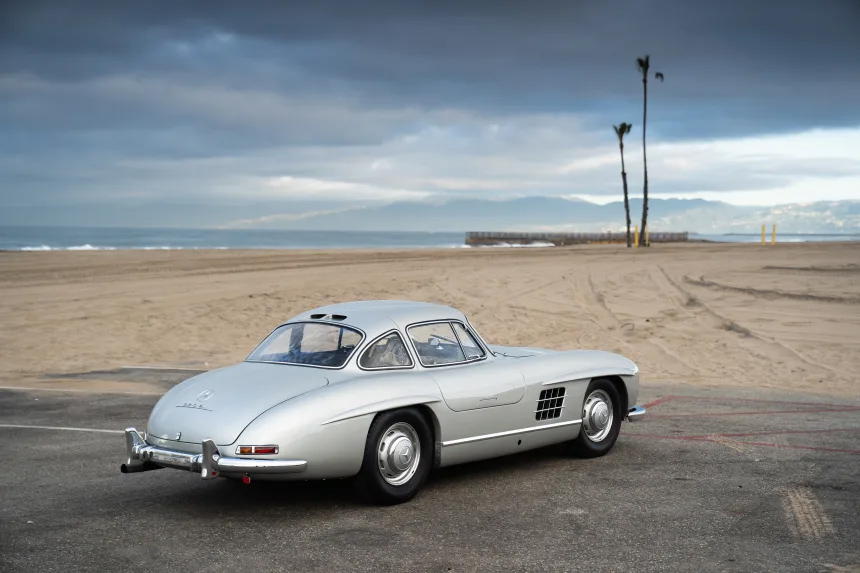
column 437, row 337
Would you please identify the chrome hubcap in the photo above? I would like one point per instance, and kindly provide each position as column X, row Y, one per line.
column 597, row 415
column 398, row 453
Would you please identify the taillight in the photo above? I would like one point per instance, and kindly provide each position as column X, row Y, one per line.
column 248, row 450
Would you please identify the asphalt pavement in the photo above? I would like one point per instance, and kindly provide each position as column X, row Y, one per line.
column 713, row 480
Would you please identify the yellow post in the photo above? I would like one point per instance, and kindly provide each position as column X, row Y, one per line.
column 635, row 236
column 773, row 236
column 762, row 235
column 647, row 237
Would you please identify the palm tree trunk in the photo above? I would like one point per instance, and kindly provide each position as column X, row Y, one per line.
column 626, row 199
column 644, row 159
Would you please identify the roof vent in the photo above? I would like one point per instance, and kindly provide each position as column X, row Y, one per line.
column 328, row 316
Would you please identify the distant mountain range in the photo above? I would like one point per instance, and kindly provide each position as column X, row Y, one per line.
column 557, row 214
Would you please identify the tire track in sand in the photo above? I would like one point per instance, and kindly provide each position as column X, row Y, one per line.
column 714, row 320
column 591, row 301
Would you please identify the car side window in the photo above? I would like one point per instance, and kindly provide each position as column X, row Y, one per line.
column 470, row 345
column 387, row 352
column 436, row 344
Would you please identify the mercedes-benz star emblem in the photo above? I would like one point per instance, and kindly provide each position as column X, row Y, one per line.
column 405, row 455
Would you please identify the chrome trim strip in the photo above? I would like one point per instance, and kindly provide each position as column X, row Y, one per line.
column 474, row 339
column 562, row 380
column 510, row 433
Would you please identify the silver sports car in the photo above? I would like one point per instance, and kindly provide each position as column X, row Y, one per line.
column 384, row 391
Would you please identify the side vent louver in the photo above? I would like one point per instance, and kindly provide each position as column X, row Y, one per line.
column 317, row 316
column 550, row 403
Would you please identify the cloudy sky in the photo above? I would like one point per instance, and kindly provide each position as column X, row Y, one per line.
column 134, row 112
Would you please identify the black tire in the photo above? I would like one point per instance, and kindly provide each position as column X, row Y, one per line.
column 586, row 447
column 371, row 482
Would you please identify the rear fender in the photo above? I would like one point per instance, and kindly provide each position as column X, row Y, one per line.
column 328, row 427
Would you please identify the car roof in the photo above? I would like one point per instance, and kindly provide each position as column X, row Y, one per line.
column 375, row 317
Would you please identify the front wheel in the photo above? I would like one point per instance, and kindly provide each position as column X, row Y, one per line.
column 601, row 420
column 398, row 454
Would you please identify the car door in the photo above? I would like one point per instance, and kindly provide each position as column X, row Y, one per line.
column 468, row 377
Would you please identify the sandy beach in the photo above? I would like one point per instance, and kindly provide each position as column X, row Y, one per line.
column 696, row 314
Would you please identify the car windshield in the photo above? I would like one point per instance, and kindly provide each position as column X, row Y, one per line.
column 312, row 344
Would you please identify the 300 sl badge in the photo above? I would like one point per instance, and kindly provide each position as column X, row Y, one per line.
column 193, row 406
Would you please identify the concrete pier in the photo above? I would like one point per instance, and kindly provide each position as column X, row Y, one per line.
column 480, row 238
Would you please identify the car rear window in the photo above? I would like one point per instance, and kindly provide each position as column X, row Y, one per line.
column 308, row 343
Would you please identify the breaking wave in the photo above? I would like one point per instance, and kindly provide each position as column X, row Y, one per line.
column 88, row 247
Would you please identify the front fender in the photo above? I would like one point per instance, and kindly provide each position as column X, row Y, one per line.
column 580, row 367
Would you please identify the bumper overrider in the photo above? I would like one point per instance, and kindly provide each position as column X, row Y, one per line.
column 636, row 414
column 142, row 457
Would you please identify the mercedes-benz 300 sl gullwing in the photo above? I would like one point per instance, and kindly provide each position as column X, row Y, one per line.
column 383, row 391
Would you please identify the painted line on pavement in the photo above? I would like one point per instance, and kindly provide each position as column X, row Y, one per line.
column 750, row 400
column 758, row 413
column 81, row 390
column 763, row 444
column 60, row 428
column 182, row 368
column 659, row 401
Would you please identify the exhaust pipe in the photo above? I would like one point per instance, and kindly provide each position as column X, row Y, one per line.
column 141, row 467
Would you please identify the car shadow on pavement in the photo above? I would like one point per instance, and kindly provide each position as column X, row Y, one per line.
column 234, row 497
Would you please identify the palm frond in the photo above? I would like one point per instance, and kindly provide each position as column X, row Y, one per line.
column 621, row 130
column 659, row 76
column 643, row 64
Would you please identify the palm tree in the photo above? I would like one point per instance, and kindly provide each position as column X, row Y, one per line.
column 644, row 64
column 621, row 131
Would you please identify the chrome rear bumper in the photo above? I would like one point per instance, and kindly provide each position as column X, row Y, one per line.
column 141, row 457
column 636, row 414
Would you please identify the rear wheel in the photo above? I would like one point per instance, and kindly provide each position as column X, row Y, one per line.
column 398, row 454
column 601, row 420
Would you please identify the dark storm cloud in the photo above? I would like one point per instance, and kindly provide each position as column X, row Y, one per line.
column 795, row 61
column 88, row 88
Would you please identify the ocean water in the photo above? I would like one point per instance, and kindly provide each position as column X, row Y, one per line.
column 97, row 238
column 18, row 238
